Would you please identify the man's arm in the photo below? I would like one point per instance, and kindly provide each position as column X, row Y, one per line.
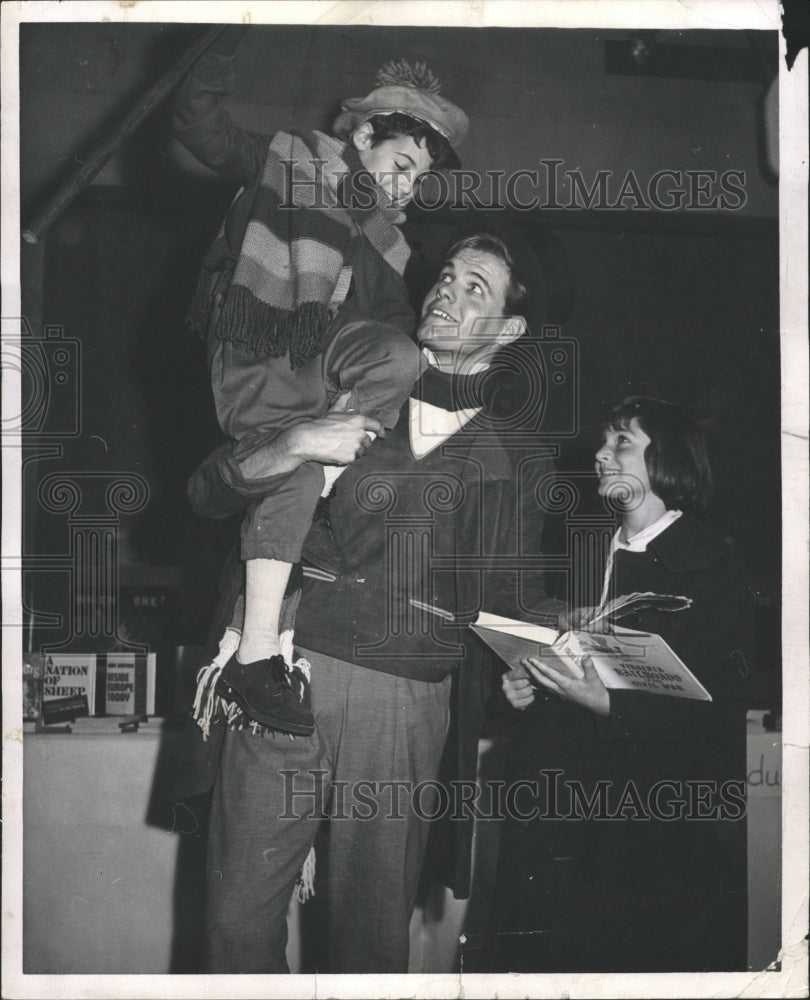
column 222, row 485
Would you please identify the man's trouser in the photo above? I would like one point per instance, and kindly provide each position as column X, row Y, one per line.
column 378, row 740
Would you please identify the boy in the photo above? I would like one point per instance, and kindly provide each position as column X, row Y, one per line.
column 302, row 304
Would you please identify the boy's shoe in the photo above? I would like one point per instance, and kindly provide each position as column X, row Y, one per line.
column 269, row 692
column 320, row 549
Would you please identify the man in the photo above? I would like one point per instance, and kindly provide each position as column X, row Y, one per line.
column 423, row 517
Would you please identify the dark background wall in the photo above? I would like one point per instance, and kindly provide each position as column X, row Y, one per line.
column 678, row 304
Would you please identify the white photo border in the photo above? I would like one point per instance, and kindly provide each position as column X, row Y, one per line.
column 791, row 979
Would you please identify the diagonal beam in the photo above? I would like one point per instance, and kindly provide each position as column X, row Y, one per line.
column 105, row 149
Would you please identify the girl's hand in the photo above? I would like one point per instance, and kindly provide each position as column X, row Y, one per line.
column 588, row 691
column 518, row 688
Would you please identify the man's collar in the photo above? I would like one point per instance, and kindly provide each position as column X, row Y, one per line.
column 429, row 425
column 475, row 369
column 448, row 390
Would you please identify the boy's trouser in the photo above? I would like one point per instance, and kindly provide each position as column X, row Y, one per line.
column 258, row 397
column 374, row 733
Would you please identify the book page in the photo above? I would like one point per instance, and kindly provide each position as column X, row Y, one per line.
column 511, row 626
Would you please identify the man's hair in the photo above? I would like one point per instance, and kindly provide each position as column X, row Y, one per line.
column 517, row 294
column 394, row 126
column 677, row 459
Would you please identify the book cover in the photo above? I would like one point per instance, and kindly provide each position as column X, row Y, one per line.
column 635, row 661
column 153, row 614
column 68, row 675
column 129, row 684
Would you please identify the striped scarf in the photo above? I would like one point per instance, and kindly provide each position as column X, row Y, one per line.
column 309, row 211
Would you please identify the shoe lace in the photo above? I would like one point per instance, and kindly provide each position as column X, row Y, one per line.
column 290, row 677
column 279, row 672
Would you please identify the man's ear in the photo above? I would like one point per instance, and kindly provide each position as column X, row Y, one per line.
column 512, row 328
column 362, row 136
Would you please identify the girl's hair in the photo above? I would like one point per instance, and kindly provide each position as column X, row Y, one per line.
column 394, row 126
column 676, row 458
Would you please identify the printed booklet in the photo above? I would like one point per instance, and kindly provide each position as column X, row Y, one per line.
column 623, row 658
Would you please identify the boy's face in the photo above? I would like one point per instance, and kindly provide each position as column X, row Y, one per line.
column 395, row 164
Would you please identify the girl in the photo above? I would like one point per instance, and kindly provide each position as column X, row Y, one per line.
column 627, row 850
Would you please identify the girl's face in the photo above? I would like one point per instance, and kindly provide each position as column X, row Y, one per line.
column 620, row 463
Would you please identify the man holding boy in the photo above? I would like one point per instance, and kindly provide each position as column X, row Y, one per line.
column 428, row 514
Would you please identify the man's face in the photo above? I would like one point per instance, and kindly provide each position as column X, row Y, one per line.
column 395, row 164
column 463, row 318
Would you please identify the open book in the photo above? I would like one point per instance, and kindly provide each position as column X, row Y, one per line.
column 623, row 658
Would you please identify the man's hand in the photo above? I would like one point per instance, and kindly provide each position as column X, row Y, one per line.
column 518, row 688
column 587, row 691
column 338, row 438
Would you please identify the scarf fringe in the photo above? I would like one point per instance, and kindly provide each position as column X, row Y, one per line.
column 261, row 328
column 255, row 326
column 208, row 705
column 202, row 303
column 305, row 883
